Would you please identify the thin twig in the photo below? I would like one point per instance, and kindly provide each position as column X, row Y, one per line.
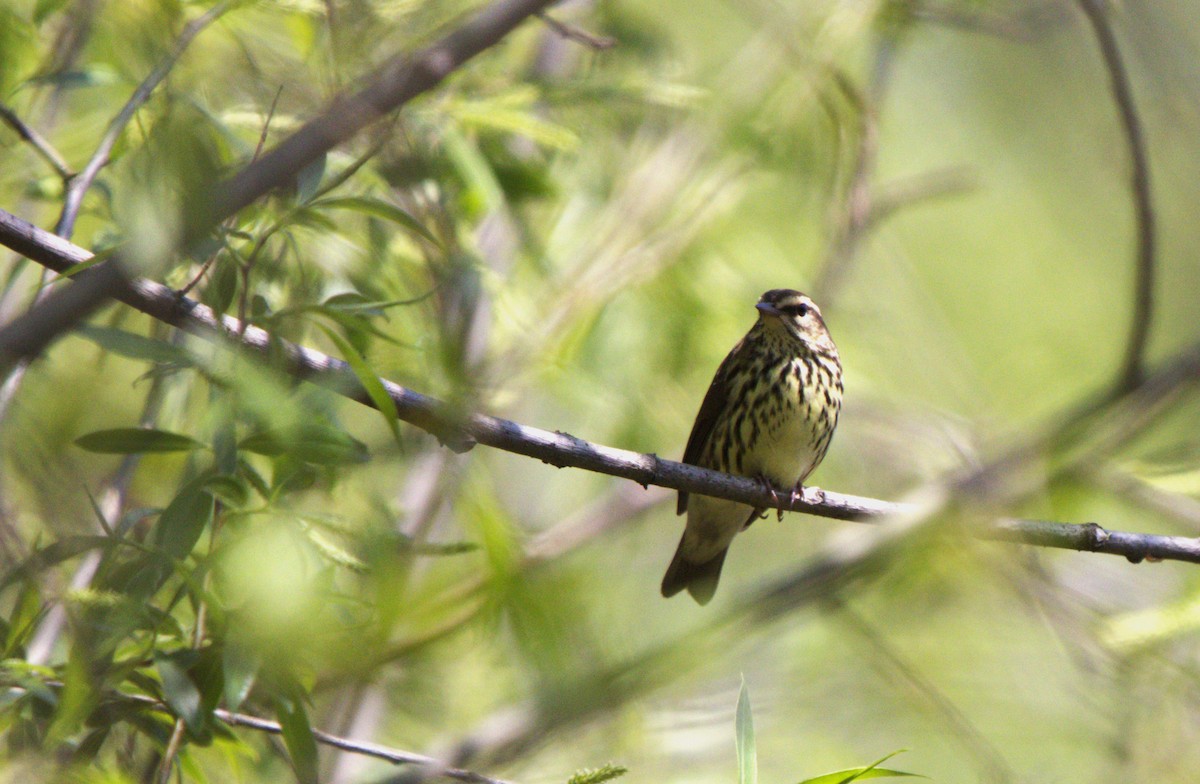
column 262, row 140
column 852, row 221
column 397, row 756
column 896, row 670
column 1133, row 367
column 44, row 148
column 461, row 430
column 572, row 33
column 80, row 184
column 398, row 81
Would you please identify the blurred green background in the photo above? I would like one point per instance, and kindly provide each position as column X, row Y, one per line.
column 606, row 221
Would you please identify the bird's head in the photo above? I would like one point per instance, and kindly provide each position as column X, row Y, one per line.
column 794, row 315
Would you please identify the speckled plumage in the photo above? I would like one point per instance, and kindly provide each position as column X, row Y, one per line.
column 770, row 414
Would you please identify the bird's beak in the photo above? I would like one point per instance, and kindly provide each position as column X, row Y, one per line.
column 768, row 309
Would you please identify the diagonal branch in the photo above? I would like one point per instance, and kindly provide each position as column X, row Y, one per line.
column 80, row 184
column 398, row 81
column 39, row 143
column 461, row 430
column 1132, row 368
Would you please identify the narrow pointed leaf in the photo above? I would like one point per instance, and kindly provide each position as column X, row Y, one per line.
column 370, row 381
column 133, row 440
column 298, row 738
column 747, row 756
column 380, row 209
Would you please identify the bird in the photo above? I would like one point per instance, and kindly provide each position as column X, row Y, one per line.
column 769, row 414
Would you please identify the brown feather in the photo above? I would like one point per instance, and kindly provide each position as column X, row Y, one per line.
column 710, row 411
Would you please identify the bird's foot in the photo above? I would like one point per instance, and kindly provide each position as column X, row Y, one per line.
column 776, row 503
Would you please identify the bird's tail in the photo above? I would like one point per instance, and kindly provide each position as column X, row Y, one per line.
column 700, row 579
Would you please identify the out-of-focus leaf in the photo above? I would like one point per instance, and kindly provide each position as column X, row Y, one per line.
column 54, row 553
column 222, row 285
column 95, row 76
column 370, row 381
column 747, row 756
column 23, row 618
column 298, row 737
column 598, row 775
column 76, row 699
column 336, row 554
column 133, row 346
column 309, row 179
column 241, row 664
column 46, row 8
column 233, row 491
column 134, row 440
column 178, row 690
column 380, row 209
column 484, row 191
column 311, row 443
column 1138, row 630
column 184, row 520
column 514, row 113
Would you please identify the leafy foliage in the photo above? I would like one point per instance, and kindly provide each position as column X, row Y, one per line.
column 574, row 237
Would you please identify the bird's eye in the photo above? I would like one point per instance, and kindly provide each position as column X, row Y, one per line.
column 799, row 310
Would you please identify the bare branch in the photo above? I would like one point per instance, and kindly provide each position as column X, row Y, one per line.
column 1132, row 369
column 433, row 767
column 401, row 79
column 461, row 430
column 572, row 33
column 37, row 141
column 80, row 184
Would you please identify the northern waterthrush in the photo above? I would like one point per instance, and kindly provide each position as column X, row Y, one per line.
column 769, row 414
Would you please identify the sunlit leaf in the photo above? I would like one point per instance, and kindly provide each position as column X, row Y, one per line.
column 872, row 771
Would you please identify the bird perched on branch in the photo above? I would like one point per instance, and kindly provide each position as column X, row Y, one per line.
column 769, row 414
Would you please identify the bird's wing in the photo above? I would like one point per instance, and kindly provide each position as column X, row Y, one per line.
column 710, row 409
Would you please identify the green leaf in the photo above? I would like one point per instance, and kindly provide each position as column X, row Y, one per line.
column 233, row 491
column 55, row 553
column 131, row 440
column 84, row 265
column 184, row 520
column 134, row 346
column 178, row 690
column 872, row 771
column 298, row 738
column 744, row 728
column 370, row 381
column 378, row 208
column 598, row 775
column 309, row 179
column 222, row 285
column 312, row 443
column 241, row 664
